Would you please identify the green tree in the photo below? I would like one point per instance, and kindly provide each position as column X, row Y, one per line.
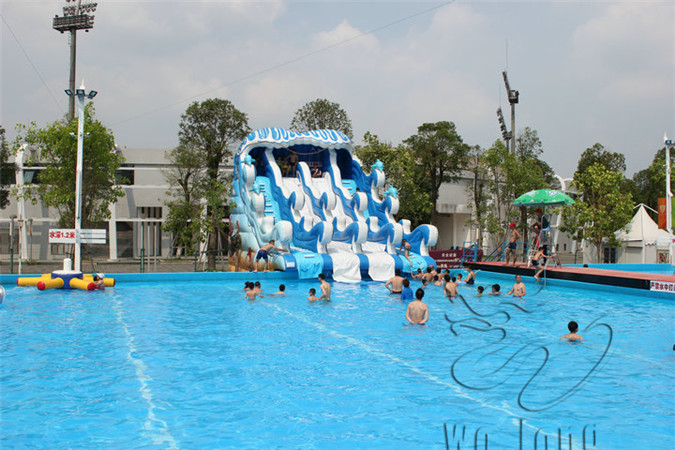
column 602, row 209
column 211, row 128
column 651, row 182
column 615, row 162
column 439, row 149
column 401, row 170
column 6, row 171
column 322, row 114
column 186, row 176
column 58, row 153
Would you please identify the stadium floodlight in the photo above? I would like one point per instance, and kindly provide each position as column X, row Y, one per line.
column 512, row 95
column 75, row 17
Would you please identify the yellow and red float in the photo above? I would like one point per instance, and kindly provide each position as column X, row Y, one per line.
column 65, row 279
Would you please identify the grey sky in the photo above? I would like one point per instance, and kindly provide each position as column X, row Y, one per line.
column 587, row 72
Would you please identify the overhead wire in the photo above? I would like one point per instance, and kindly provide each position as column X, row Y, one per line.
column 288, row 62
column 18, row 42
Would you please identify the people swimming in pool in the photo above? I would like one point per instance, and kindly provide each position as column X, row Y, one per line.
column 470, row 277
column 480, row 290
column 450, row 288
column 281, row 292
column 417, row 312
column 572, row 335
column 263, row 254
column 496, row 289
column 312, row 295
column 325, row 287
column 395, row 283
column 518, row 289
column 252, row 293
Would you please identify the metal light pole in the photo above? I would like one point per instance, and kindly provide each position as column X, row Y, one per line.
column 513, row 99
column 74, row 18
column 669, row 197
column 79, row 93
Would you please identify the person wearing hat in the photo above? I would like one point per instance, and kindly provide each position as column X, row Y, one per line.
column 511, row 248
column 98, row 281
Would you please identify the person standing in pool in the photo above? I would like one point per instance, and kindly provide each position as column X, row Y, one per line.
column 471, row 277
column 325, row 288
column 395, row 283
column 417, row 312
column 312, row 295
column 263, row 254
column 450, row 288
column 281, row 292
column 406, row 293
column 512, row 245
column 572, row 335
column 252, row 293
column 518, row 289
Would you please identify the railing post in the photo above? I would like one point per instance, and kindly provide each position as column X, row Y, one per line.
column 142, row 251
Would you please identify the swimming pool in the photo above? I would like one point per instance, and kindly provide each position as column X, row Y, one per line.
column 194, row 365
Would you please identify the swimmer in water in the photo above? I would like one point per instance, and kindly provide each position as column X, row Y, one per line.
column 518, row 289
column 312, row 295
column 480, row 291
column 281, row 292
column 395, row 283
column 572, row 335
column 417, row 312
column 325, row 288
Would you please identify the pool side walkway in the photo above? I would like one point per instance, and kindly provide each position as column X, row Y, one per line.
column 635, row 280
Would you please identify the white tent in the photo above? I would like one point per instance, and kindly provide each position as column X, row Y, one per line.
column 640, row 242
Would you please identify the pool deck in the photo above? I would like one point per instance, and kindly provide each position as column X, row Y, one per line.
column 635, row 280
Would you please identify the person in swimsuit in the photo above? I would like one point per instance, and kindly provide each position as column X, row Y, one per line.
column 471, row 277
column 395, row 283
column 572, row 335
column 312, row 295
column 518, row 289
column 538, row 260
column 417, row 312
column 450, row 288
column 405, row 246
column 281, row 292
column 263, row 254
column 325, row 288
column 512, row 245
column 406, row 293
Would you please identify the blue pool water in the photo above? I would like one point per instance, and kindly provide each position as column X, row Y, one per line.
column 194, row 365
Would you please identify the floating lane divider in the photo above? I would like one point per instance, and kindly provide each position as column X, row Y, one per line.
column 65, row 279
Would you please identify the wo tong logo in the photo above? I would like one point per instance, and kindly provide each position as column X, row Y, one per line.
column 458, row 438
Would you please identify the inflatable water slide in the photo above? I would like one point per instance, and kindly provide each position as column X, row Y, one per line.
column 308, row 193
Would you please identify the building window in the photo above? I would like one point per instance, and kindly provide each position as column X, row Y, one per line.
column 124, row 177
column 609, row 256
column 31, row 176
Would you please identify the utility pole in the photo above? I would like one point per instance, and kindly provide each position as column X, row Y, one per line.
column 669, row 198
column 513, row 99
column 74, row 18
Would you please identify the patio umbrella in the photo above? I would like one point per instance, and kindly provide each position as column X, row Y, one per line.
column 543, row 197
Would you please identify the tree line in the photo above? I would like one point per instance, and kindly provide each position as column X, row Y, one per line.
column 210, row 130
